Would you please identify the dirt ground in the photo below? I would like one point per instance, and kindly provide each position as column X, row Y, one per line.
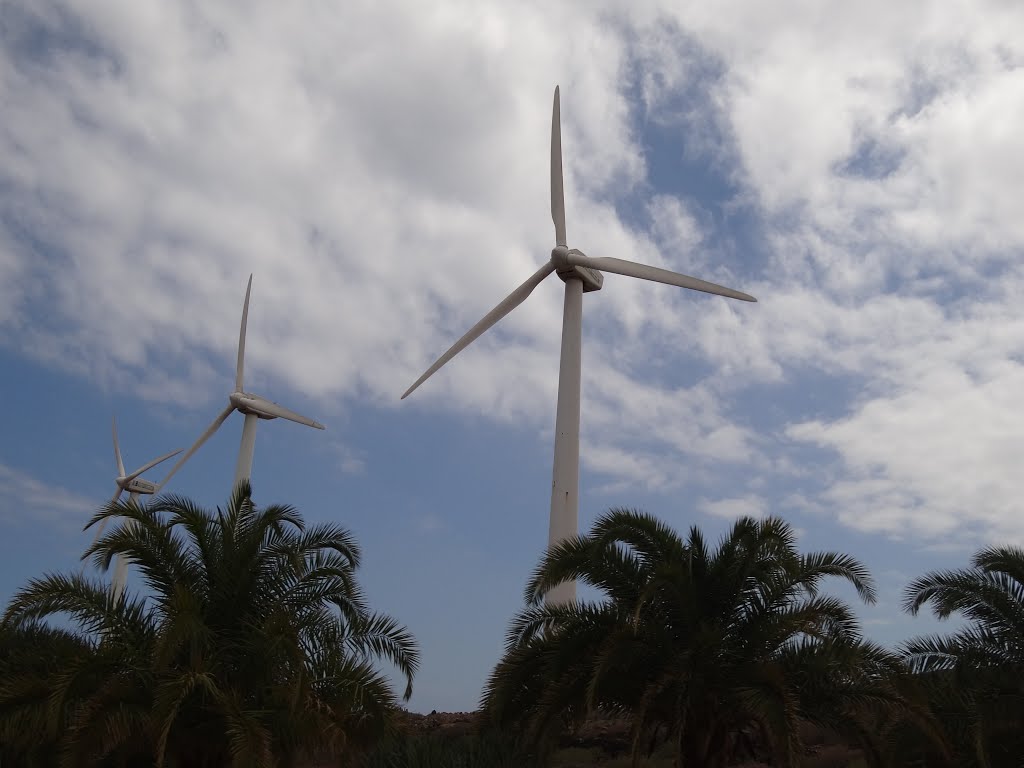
column 605, row 743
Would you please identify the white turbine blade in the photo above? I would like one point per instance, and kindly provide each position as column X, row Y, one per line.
column 198, row 443
column 280, row 412
column 99, row 531
column 153, row 463
column 103, row 522
column 644, row 272
column 513, row 300
column 117, row 452
column 241, row 339
column 557, row 189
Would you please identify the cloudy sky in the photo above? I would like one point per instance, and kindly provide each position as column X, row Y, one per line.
column 381, row 169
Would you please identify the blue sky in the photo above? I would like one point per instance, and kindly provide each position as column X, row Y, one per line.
column 381, row 169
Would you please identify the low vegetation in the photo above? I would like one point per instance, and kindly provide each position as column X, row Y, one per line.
column 250, row 643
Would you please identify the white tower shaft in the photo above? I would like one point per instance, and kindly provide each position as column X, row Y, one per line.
column 121, row 564
column 243, row 471
column 565, row 473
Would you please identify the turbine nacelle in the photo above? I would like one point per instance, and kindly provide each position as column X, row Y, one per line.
column 137, row 485
column 562, row 257
column 254, row 404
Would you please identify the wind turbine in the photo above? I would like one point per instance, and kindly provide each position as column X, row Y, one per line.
column 253, row 407
column 135, row 486
column 581, row 274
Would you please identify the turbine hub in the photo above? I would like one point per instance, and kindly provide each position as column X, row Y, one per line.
column 242, row 402
column 592, row 279
column 248, row 404
column 560, row 257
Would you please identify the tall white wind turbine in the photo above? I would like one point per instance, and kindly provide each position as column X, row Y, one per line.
column 581, row 274
column 135, row 486
column 253, row 407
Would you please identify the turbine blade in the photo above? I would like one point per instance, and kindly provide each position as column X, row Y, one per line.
column 239, row 369
column 103, row 523
column 657, row 275
column 280, row 412
column 99, row 531
column 153, row 463
column 557, row 189
column 513, row 300
column 117, row 452
column 198, row 443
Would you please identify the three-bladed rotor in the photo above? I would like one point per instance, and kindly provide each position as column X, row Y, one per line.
column 244, row 402
column 132, row 482
column 135, row 485
column 571, row 264
column 580, row 273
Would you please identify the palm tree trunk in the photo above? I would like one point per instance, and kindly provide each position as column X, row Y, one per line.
column 696, row 745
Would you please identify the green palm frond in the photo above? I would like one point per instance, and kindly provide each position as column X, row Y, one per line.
column 149, row 542
column 647, row 536
column 817, row 565
column 974, row 678
column 252, row 643
column 90, row 604
column 692, row 639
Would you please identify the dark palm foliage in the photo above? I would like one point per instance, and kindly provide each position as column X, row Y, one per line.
column 29, row 656
column 254, row 645
column 975, row 676
column 713, row 647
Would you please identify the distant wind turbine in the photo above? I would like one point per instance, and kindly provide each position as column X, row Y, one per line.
column 254, row 407
column 581, row 274
column 135, row 486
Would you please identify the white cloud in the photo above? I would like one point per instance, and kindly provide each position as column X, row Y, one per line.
column 385, row 196
column 429, row 523
column 878, row 142
column 933, row 458
column 351, row 460
column 24, row 498
column 740, row 506
column 674, row 227
column 383, row 172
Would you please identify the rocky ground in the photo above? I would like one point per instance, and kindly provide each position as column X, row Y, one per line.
column 609, row 738
column 448, row 723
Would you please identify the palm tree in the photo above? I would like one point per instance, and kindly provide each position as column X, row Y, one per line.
column 976, row 675
column 253, row 644
column 715, row 648
column 30, row 655
column 990, row 594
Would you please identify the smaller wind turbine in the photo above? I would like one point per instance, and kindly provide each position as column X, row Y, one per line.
column 135, row 486
column 253, row 407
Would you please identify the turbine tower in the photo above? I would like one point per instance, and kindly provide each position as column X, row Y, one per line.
column 253, row 407
column 581, row 274
column 135, row 486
